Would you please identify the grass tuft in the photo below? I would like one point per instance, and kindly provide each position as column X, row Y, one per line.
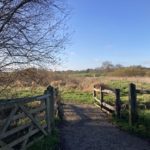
column 47, row 143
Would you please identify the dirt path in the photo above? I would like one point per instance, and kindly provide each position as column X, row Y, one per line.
column 87, row 128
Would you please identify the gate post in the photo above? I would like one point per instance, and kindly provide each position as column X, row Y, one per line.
column 49, row 102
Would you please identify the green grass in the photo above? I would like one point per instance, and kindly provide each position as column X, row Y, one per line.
column 21, row 92
column 144, row 117
column 141, row 128
column 77, row 97
column 47, row 143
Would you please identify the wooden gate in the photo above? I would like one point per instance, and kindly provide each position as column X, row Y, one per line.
column 24, row 120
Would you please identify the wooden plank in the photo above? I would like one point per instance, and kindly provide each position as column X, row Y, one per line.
column 106, row 111
column 97, row 100
column 22, row 115
column 140, row 91
column 97, row 105
column 96, row 90
column 8, row 121
column 108, row 91
column 21, row 139
column 2, row 144
column 15, row 130
column 105, row 104
column 23, row 147
column 5, row 107
column 108, row 106
column 22, row 100
column 33, row 119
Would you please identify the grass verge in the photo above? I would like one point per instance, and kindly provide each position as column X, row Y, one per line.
column 47, row 143
column 51, row 142
column 141, row 128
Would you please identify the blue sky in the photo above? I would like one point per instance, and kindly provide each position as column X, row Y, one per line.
column 108, row 30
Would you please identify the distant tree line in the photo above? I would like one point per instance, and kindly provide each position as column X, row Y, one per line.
column 109, row 69
column 42, row 77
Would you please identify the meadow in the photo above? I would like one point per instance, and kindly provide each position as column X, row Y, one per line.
column 78, row 88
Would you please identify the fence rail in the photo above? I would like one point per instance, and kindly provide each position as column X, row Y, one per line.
column 24, row 120
column 116, row 108
column 101, row 102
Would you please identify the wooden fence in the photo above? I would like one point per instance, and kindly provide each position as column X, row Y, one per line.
column 101, row 91
column 116, row 108
column 25, row 120
column 133, row 105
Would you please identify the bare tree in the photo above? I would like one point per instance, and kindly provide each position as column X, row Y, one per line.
column 107, row 65
column 31, row 32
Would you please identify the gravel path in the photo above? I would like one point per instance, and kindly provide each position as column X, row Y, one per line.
column 87, row 128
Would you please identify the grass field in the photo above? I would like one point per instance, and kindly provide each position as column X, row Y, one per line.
column 16, row 92
column 141, row 128
column 77, row 97
column 79, row 90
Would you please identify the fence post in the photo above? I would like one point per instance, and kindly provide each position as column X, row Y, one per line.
column 133, row 114
column 117, row 102
column 94, row 94
column 49, row 108
column 48, row 114
column 59, row 105
column 101, row 97
column 52, row 97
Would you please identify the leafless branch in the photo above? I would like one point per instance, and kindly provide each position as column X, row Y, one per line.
column 31, row 31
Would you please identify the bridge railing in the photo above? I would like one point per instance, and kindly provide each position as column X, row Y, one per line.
column 99, row 97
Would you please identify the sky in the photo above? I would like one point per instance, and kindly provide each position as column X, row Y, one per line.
column 108, row 30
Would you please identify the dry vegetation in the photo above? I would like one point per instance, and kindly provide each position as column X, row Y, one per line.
column 76, row 87
column 33, row 80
